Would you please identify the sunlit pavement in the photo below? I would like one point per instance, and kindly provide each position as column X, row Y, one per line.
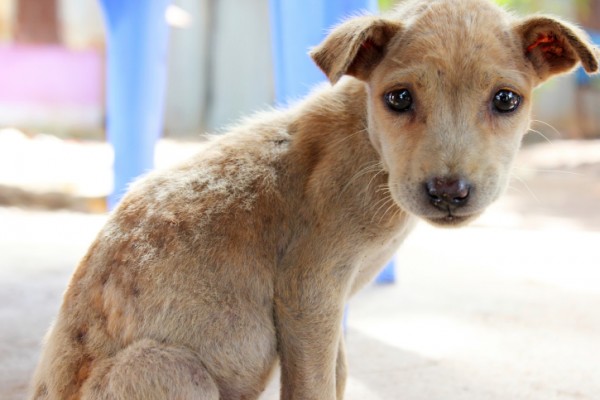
column 508, row 308
column 481, row 313
column 38, row 253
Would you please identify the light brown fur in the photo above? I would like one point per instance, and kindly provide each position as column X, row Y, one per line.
column 210, row 272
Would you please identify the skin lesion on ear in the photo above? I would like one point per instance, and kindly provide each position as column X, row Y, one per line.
column 367, row 45
column 555, row 47
column 547, row 43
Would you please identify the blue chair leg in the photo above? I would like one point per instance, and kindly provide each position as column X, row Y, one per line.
column 136, row 83
column 387, row 275
column 298, row 25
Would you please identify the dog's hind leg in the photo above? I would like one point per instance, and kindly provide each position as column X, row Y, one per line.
column 148, row 370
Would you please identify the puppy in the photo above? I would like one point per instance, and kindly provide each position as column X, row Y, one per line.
column 209, row 273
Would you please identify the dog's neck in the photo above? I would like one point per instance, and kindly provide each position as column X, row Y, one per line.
column 332, row 112
column 339, row 164
column 341, row 187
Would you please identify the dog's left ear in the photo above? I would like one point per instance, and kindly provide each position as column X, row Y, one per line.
column 555, row 47
column 355, row 47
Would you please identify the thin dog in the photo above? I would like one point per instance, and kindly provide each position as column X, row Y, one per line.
column 211, row 272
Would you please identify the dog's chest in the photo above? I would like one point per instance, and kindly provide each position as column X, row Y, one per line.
column 379, row 249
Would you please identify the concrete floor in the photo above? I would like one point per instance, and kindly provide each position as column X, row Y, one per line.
column 507, row 308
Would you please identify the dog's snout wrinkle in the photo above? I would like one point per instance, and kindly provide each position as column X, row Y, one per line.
column 448, row 193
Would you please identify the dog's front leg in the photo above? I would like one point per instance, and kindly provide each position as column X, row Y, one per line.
column 308, row 314
column 341, row 370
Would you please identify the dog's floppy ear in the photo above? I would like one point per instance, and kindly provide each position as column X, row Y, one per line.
column 354, row 47
column 554, row 47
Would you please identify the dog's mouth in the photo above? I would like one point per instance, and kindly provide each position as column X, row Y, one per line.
column 451, row 217
column 450, row 220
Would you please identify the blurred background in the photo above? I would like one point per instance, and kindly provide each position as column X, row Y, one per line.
column 506, row 308
column 53, row 55
column 220, row 66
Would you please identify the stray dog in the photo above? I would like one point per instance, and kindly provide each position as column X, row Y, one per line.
column 209, row 273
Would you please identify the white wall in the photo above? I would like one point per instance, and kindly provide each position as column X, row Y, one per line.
column 220, row 66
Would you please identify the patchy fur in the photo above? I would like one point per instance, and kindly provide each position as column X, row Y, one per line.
column 209, row 273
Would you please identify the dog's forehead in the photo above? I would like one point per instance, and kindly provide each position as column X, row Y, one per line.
column 453, row 27
column 451, row 11
column 473, row 36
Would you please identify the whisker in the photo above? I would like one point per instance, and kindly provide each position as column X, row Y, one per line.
column 513, row 187
column 396, row 213
column 384, row 187
column 368, row 194
column 385, row 203
column 375, row 176
column 522, row 181
column 368, row 167
column 349, row 136
column 386, row 211
column 550, row 126
column 552, row 171
column 542, row 135
column 381, row 202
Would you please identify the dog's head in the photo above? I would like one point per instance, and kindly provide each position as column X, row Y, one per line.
column 449, row 94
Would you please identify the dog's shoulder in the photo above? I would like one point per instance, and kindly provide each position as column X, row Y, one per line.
column 233, row 178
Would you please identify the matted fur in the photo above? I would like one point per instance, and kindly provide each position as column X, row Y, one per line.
column 210, row 272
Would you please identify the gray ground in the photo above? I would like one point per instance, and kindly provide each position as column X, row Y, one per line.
column 507, row 308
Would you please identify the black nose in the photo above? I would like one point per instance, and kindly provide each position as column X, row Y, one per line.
column 448, row 192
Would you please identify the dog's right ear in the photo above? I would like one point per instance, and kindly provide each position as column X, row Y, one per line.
column 354, row 47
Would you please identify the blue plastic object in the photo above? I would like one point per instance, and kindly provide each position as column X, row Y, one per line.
column 298, row 25
column 136, row 83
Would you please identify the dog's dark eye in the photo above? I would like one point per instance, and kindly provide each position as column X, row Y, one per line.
column 398, row 100
column 506, row 101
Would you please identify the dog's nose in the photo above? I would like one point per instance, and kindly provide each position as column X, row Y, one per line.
column 448, row 192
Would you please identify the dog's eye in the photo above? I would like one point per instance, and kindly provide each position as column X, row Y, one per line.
column 506, row 101
column 398, row 100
